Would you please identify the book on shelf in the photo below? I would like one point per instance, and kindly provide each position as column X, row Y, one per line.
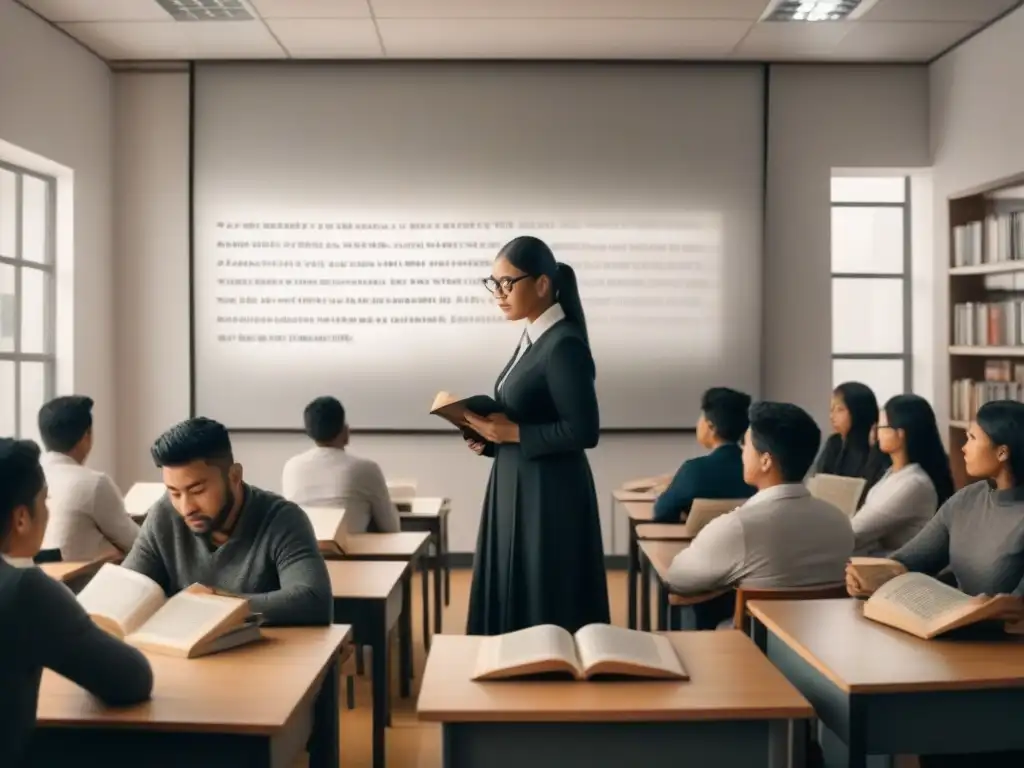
column 453, row 409
column 1004, row 380
column 925, row 607
column 595, row 650
column 329, row 528
column 989, row 324
column 839, row 491
column 996, row 240
column 134, row 608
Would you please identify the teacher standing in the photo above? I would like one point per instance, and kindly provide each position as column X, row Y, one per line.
column 539, row 555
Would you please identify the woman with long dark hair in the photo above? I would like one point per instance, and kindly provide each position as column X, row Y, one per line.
column 539, row 557
column 849, row 451
column 902, row 502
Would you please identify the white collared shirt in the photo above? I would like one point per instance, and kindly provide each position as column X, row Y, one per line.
column 87, row 513
column 18, row 562
column 533, row 332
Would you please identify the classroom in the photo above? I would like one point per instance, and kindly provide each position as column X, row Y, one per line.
column 368, row 334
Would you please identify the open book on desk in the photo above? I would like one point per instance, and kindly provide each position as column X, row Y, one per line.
column 133, row 607
column 925, row 607
column 453, row 409
column 596, row 649
column 329, row 528
column 839, row 491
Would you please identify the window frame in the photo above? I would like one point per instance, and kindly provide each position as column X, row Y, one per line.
column 905, row 357
column 17, row 260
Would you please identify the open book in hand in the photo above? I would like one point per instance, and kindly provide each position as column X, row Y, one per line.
column 453, row 409
column 329, row 528
column 133, row 607
column 596, row 649
column 925, row 607
column 839, row 491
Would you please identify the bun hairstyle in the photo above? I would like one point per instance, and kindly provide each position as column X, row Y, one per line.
column 532, row 256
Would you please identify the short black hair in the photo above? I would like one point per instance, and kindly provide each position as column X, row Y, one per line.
column 64, row 421
column 1003, row 422
column 324, row 419
column 726, row 409
column 198, row 439
column 21, row 478
column 789, row 434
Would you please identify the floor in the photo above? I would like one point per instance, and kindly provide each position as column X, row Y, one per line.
column 411, row 744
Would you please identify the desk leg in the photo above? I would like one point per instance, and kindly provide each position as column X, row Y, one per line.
column 645, row 592
column 439, row 560
column 405, row 635
column 447, row 563
column 324, row 746
column 380, row 681
column 664, row 609
column 425, row 593
column 631, row 577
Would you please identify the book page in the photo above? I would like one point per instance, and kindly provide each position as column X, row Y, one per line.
column 924, row 597
column 625, row 651
column 527, row 651
column 441, row 400
column 186, row 619
column 119, row 599
column 841, row 492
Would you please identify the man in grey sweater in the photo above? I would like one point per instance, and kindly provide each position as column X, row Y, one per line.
column 212, row 529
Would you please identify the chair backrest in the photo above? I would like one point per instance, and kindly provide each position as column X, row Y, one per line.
column 842, row 492
column 816, row 592
column 703, row 511
column 401, row 490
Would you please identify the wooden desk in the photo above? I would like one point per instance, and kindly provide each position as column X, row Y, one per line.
column 430, row 514
column 252, row 707
column 663, row 531
column 620, row 496
column 76, row 574
column 879, row 691
column 727, row 715
column 657, row 555
column 637, row 511
column 368, row 595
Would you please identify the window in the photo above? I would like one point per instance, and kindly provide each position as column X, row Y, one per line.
column 871, row 283
column 27, row 298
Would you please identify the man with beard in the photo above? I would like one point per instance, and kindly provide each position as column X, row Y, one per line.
column 212, row 529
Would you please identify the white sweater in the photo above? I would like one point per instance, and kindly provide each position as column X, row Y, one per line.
column 896, row 508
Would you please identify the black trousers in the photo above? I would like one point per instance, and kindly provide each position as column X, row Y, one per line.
column 708, row 615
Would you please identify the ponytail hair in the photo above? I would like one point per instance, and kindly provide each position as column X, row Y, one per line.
column 567, row 293
column 533, row 256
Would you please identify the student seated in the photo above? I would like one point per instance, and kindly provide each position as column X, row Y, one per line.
column 979, row 532
column 87, row 514
column 328, row 476
column 41, row 622
column 850, row 450
column 902, row 502
column 213, row 529
column 719, row 474
column 782, row 536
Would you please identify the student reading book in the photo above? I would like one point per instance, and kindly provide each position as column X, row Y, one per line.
column 329, row 527
column 194, row 622
column 925, row 607
column 596, row 649
column 453, row 409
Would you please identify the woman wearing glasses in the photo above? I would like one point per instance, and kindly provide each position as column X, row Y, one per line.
column 539, row 558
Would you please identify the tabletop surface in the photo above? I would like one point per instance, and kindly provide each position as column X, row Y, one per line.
column 422, row 506
column 405, row 544
column 861, row 656
column 365, row 579
column 253, row 689
column 729, row 680
column 661, row 553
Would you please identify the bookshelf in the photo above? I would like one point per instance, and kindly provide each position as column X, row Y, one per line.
column 986, row 297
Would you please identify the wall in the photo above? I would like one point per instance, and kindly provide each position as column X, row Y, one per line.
column 822, row 117
column 56, row 100
column 976, row 119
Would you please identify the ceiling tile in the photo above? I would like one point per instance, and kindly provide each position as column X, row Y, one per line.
column 312, row 9
column 560, row 38
column 937, row 10
column 327, row 38
column 568, row 9
column 98, row 10
column 177, row 40
column 901, row 40
column 775, row 41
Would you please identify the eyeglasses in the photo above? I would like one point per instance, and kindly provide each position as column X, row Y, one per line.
column 502, row 284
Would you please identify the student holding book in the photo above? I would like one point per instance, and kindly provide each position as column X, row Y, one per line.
column 718, row 475
column 850, row 450
column 213, row 529
column 42, row 623
column 782, row 536
column 902, row 502
column 539, row 557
